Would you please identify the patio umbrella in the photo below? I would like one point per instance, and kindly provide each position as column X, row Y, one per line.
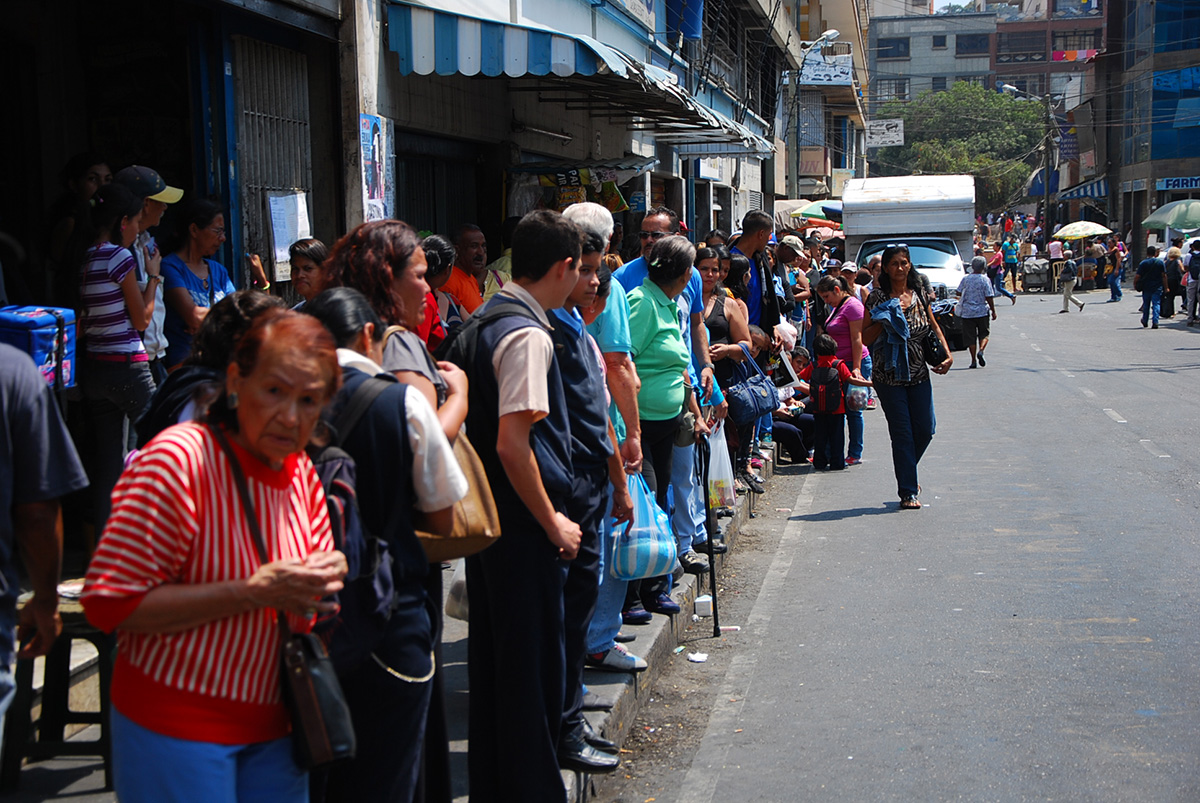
column 1080, row 229
column 1181, row 215
column 816, row 210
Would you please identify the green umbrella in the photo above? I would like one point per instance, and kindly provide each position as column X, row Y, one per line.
column 1180, row 215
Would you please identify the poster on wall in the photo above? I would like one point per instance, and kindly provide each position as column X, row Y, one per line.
column 377, row 165
column 288, row 216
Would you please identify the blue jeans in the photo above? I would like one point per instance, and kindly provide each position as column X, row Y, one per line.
column 854, row 418
column 687, row 518
column 606, row 619
column 1151, row 299
column 149, row 767
column 911, row 424
column 998, row 280
column 115, row 396
column 1114, row 285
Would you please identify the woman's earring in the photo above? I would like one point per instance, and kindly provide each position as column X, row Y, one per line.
column 232, row 401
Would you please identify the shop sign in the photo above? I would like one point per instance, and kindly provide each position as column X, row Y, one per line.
column 837, row 181
column 710, row 168
column 640, row 10
column 1178, row 183
column 812, row 162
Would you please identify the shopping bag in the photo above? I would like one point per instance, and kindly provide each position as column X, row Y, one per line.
column 457, row 606
column 721, row 492
column 646, row 547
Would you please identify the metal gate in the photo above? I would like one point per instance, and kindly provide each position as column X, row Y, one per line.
column 274, row 143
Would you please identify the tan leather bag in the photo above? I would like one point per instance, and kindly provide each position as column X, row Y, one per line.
column 476, row 521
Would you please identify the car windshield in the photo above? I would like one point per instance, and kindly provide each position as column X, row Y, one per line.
column 930, row 254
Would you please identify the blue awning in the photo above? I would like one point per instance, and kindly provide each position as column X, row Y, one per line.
column 1096, row 188
column 430, row 41
column 572, row 69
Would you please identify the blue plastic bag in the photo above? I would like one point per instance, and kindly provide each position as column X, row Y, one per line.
column 646, row 547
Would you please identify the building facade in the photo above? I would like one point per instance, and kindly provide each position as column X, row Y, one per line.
column 915, row 54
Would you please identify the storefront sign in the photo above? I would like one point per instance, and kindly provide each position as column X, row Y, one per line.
column 640, row 10
column 838, row 178
column 710, row 168
column 1137, row 185
column 812, row 162
column 1178, row 183
column 885, row 133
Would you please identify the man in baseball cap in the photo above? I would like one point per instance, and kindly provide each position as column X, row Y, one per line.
column 148, row 185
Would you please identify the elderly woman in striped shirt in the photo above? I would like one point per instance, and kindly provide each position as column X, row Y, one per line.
column 197, row 708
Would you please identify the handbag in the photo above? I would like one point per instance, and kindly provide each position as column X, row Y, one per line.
column 931, row 345
column 646, row 548
column 685, row 434
column 322, row 732
column 476, row 520
column 753, row 397
column 720, row 471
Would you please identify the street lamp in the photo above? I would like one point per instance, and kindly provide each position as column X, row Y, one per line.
column 794, row 106
column 1047, row 226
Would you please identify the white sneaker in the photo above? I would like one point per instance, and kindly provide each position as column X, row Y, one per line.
column 616, row 659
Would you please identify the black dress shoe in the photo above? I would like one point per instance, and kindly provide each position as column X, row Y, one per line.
column 711, row 547
column 577, row 755
column 624, row 638
column 596, row 740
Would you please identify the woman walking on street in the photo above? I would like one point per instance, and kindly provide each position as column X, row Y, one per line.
column 900, row 322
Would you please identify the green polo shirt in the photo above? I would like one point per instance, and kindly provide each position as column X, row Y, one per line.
column 658, row 352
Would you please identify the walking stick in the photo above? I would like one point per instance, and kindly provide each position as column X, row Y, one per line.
column 703, row 451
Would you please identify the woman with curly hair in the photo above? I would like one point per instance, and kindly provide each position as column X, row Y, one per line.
column 385, row 262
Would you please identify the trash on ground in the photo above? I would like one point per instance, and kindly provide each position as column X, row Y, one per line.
column 783, row 510
column 697, row 657
column 704, row 606
column 678, row 649
column 731, row 628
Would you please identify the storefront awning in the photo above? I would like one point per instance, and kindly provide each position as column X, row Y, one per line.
column 575, row 70
column 1096, row 188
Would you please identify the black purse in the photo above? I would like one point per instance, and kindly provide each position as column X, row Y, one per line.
column 931, row 345
column 322, row 732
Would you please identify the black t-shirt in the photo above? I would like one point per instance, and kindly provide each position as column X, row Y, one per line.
column 1151, row 274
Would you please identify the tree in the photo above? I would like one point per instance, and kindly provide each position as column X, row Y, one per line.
column 955, row 8
column 967, row 129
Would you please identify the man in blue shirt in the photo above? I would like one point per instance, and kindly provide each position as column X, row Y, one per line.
column 1150, row 279
column 757, row 228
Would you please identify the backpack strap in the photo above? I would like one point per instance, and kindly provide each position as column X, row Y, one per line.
column 364, row 396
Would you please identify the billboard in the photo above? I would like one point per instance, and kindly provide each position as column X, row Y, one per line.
column 885, row 133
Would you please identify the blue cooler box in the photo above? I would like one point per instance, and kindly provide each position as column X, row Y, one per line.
column 47, row 334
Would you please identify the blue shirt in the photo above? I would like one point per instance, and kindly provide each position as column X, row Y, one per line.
column 611, row 331
column 690, row 302
column 177, row 274
column 975, row 289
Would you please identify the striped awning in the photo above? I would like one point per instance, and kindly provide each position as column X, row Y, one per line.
column 575, row 70
column 429, row 41
column 1096, row 188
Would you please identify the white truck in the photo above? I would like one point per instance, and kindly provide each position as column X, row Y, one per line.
column 933, row 215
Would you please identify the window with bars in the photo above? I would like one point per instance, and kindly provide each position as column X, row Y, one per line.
column 939, row 83
column 891, row 89
column 1021, row 47
column 939, row 41
column 1077, row 40
column 971, row 44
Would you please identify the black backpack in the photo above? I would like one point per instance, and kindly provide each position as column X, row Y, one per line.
column 825, row 389
column 460, row 343
column 368, row 598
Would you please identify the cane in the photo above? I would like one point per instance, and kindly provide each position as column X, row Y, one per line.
column 703, row 452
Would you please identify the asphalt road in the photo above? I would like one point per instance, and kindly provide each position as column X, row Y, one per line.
column 1032, row 633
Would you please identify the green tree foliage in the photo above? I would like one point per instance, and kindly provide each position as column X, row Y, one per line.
column 967, row 129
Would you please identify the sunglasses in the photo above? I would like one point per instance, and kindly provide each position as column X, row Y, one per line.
column 896, row 245
column 653, row 235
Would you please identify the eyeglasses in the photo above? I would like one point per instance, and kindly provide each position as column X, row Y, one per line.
column 653, row 235
column 218, row 232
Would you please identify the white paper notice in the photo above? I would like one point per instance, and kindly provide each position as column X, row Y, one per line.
column 289, row 222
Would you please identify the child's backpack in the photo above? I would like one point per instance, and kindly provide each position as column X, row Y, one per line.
column 47, row 334
column 825, row 389
column 368, row 598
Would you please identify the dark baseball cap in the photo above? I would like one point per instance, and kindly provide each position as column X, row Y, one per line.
column 145, row 183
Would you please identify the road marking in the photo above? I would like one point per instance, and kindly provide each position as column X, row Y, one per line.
column 1048, row 358
column 1150, row 447
column 1087, row 393
column 700, row 784
column 1067, row 373
column 1035, row 347
column 1024, row 336
column 1115, row 416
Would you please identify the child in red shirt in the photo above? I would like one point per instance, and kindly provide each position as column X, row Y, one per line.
column 828, row 394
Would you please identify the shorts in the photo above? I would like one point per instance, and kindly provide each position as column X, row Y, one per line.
column 976, row 329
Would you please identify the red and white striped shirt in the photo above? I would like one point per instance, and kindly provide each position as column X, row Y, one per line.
column 177, row 518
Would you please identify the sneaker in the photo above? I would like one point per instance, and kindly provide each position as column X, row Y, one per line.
column 765, row 439
column 725, row 512
column 853, row 461
column 615, row 659
column 693, row 562
column 757, row 462
column 637, row 615
column 982, row 361
column 871, row 403
column 662, row 603
column 711, row 547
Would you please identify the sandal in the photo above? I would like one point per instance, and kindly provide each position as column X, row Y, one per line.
column 910, row 503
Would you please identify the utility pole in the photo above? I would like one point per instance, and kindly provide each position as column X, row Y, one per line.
column 1049, row 145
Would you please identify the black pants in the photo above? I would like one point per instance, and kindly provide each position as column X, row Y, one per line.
column 589, row 500
column 389, row 710
column 829, row 441
column 516, row 662
column 788, row 436
column 658, row 451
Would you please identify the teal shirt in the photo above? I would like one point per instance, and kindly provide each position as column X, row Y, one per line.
column 658, row 352
column 611, row 330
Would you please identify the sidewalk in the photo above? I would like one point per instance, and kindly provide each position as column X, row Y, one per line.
column 80, row 780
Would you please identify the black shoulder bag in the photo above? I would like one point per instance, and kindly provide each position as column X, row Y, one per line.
column 931, row 346
column 322, row 732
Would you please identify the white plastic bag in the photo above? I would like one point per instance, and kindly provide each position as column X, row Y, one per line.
column 721, row 492
column 456, row 601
